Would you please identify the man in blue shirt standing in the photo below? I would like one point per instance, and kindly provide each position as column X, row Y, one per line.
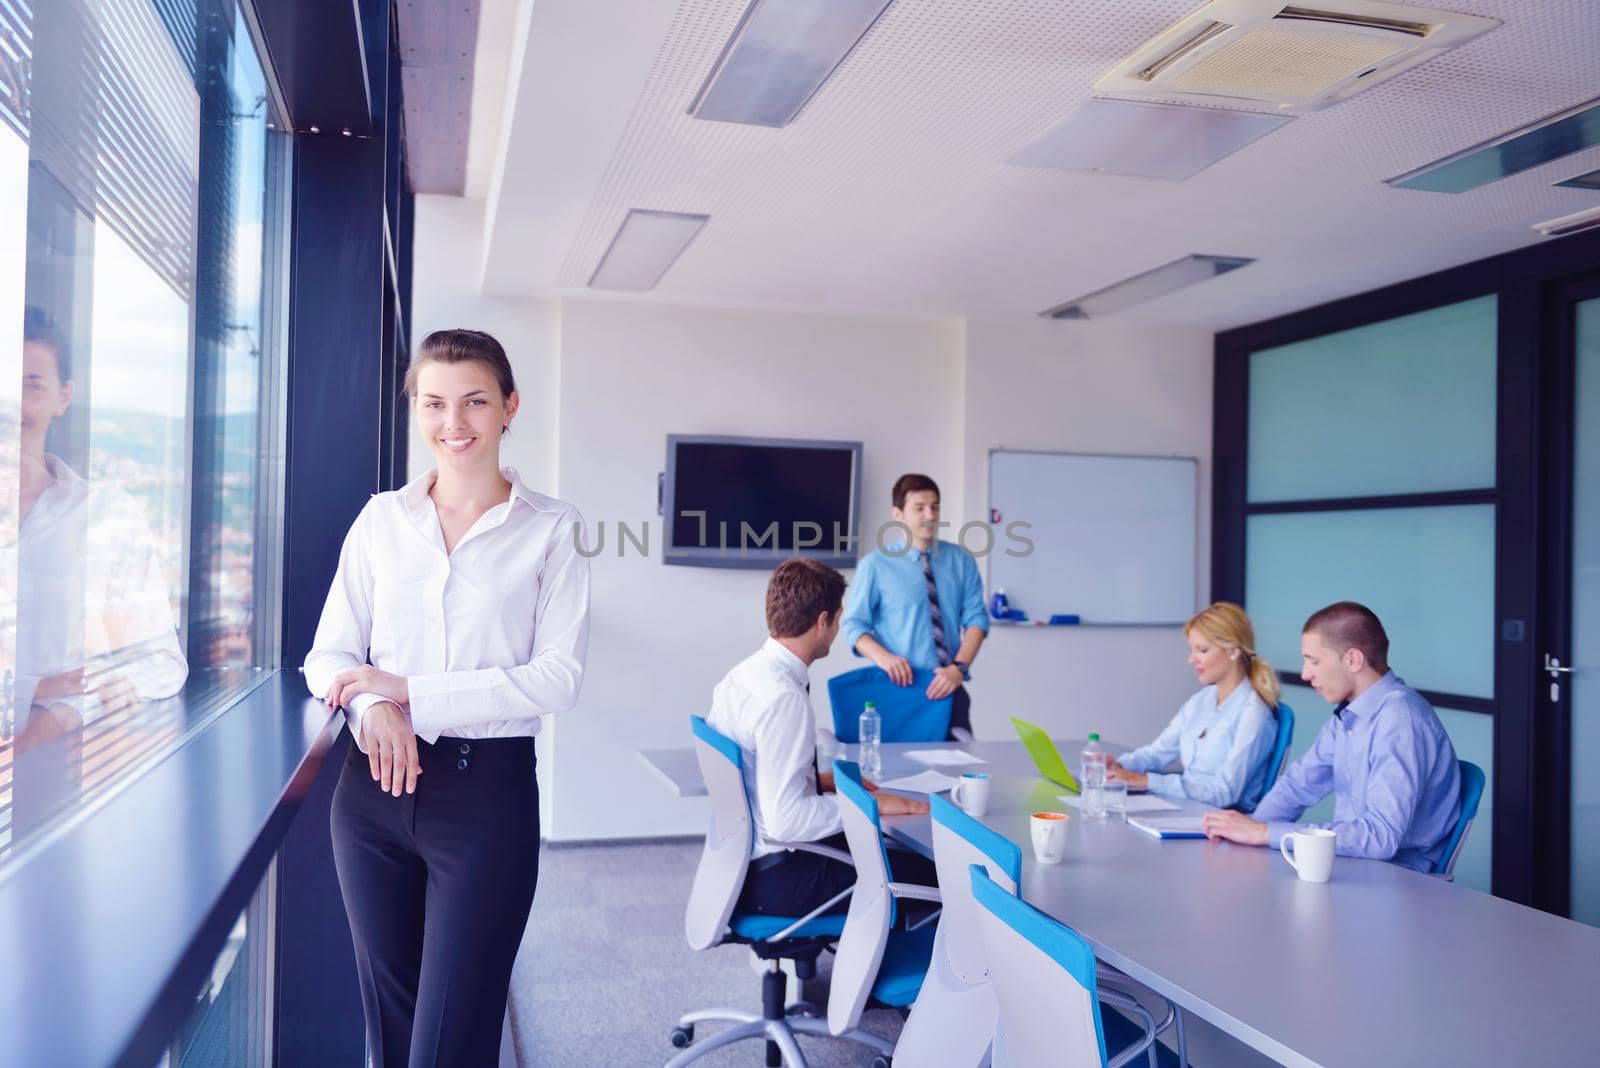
column 1384, row 754
column 919, row 605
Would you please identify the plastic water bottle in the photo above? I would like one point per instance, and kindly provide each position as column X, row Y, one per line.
column 1094, row 778
column 871, row 735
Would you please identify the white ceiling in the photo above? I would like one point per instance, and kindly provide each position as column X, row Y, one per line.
column 890, row 193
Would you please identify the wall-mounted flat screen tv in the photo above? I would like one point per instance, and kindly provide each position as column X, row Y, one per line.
column 755, row 502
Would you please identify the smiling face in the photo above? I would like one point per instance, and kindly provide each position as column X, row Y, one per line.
column 460, row 412
column 1211, row 662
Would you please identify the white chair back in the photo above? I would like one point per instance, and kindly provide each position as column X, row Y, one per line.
column 866, row 926
column 953, row 1020
column 726, row 857
column 959, row 841
column 1042, row 974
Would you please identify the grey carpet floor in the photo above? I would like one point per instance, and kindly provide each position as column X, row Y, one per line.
column 605, row 971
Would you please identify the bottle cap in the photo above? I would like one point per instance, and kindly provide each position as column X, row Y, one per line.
column 1094, row 737
column 872, row 706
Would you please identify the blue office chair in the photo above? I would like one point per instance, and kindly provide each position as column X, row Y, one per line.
column 907, row 715
column 872, row 961
column 1043, row 976
column 1472, row 781
column 711, row 919
column 1280, row 754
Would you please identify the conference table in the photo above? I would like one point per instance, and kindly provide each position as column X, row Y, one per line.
column 1378, row 966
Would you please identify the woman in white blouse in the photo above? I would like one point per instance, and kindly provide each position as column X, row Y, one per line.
column 1224, row 735
column 458, row 618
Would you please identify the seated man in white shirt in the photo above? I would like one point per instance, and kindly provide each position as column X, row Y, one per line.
column 764, row 705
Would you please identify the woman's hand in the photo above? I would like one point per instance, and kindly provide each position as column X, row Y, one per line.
column 1136, row 780
column 391, row 747
column 366, row 679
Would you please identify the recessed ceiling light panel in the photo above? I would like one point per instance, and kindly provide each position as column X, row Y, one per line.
column 1538, row 142
column 1168, row 278
column 645, row 246
column 778, row 57
column 1590, row 181
column 1146, row 140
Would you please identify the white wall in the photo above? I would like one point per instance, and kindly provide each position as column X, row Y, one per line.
column 1085, row 387
column 604, row 382
column 445, row 272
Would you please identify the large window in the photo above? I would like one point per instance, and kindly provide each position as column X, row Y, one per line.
column 140, row 402
column 1371, row 475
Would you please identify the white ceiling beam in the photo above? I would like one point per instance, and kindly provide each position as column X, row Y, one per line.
column 551, row 159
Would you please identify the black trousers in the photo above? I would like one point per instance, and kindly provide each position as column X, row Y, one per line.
column 438, row 886
column 792, row 884
column 960, row 712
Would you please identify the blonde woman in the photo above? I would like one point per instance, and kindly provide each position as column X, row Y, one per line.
column 1223, row 736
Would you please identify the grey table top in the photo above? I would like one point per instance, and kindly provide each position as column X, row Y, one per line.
column 1378, row 966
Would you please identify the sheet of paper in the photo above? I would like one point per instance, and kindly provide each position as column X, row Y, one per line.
column 923, row 782
column 943, row 758
column 1137, row 803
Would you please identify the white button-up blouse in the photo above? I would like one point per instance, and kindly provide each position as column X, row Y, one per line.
column 490, row 637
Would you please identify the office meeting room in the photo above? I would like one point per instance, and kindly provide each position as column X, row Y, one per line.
column 917, row 533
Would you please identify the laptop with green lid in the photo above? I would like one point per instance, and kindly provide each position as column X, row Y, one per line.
column 1045, row 755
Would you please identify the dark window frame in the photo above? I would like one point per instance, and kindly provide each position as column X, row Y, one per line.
column 1523, row 283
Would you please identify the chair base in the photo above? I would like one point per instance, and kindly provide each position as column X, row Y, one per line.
column 777, row 1024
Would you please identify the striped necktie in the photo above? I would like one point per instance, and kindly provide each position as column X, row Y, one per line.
column 940, row 646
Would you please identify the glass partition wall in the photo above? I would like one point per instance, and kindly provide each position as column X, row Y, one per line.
column 1371, row 477
column 1426, row 449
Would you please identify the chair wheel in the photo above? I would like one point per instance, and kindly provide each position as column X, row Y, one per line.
column 682, row 1036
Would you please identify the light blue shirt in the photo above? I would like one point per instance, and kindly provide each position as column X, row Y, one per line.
column 1393, row 773
column 1224, row 749
column 889, row 600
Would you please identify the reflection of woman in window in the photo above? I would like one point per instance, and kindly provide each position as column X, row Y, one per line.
column 459, row 616
column 94, row 629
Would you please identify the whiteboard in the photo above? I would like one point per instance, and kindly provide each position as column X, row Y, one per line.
column 1114, row 537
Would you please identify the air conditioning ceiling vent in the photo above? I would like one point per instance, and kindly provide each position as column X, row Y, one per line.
column 1260, row 54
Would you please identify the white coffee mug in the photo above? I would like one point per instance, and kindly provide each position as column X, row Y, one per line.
column 971, row 793
column 1312, row 853
column 1049, row 837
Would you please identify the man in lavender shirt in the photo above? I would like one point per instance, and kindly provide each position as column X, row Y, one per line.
column 1384, row 754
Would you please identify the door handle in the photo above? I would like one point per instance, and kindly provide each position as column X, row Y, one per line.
column 1553, row 666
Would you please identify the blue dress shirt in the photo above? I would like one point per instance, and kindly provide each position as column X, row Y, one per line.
column 1224, row 748
column 889, row 600
column 1393, row 773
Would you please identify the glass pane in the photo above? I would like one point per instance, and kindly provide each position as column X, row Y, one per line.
column 1427, row 572
column 1402, row 406
column 229, row 1020
column 1472, row 733
column 1584, row 686
column 137, row 471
